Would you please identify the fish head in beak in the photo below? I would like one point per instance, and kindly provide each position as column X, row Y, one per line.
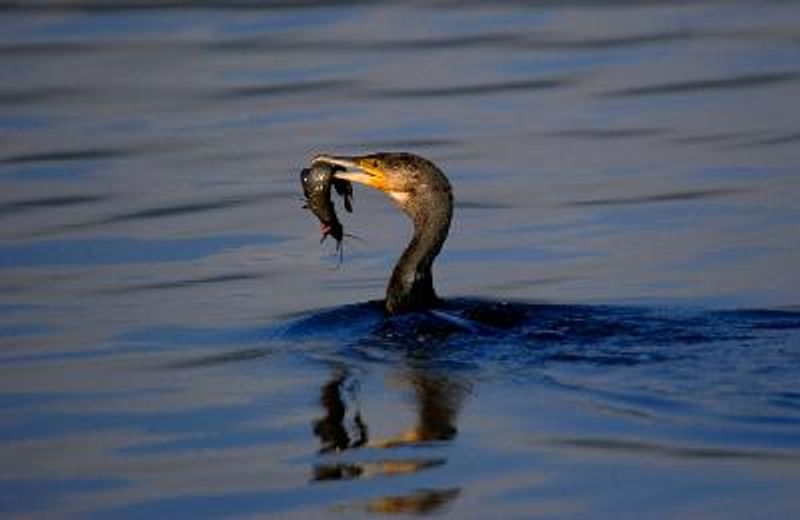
column 367, row 170
column 401, row 176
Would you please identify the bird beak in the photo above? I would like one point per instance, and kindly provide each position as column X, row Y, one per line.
column 358, row 169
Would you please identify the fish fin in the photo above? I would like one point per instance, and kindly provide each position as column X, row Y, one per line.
column 345, row 190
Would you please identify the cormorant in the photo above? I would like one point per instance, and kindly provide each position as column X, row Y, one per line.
column 422, row 191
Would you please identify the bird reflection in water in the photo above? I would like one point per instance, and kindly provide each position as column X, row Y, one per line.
column 437, row 398
column 419, row 502
column 332, row 429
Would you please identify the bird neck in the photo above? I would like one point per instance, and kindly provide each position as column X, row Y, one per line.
column 411, row 284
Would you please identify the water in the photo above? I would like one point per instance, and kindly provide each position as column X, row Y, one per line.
column 175, row 341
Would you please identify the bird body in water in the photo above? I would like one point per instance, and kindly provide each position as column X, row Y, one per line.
column 422, row 191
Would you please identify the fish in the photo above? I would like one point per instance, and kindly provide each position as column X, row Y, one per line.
column 316, row 182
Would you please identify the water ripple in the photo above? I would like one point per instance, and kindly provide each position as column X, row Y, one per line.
column 105, row 251
column 605, row 133
column 480, row 89
column 187, row 208
column 660, row 197
column 190, row 282
column 58, row 201
column 65, row 155
column 288, row 88
column 790, row 138
column 744, row 81
column 612, row 42
column 614, row 447
column 33, row 95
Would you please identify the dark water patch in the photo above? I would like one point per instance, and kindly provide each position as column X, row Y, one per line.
column 522, row 325
column 65, row 156
column 468, row 334
column 480, row 89
column 791, row 138
column 591, row 44
column 677, row 196
column 327, row 86
column 251, row 44
column 356, row 319
column 581, row 327
column 615, row 447
column 63, row 201
column 779, row 325
column 483, row 40
column 713, row 138
column 290, row 45
column 70, row 49
column 116, row 251
column 345, row 45
column 606, row 133
column 160, row 212
column 44, row 49
column 744, row 81
column 236, row 356
column 189, row 208
column 478, row 204
column 758, row 314
column 790, row 400
column 190, row 282
column 599, row 359
column 12, row 98
column 452, row 42
column 762, row 319
column 658, row 39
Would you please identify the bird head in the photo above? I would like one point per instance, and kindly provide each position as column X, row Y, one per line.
column 401, row 176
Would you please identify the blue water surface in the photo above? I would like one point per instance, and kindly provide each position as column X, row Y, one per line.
column 620, row 328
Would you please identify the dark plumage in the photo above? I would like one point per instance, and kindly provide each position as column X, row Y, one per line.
column 423, row 192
